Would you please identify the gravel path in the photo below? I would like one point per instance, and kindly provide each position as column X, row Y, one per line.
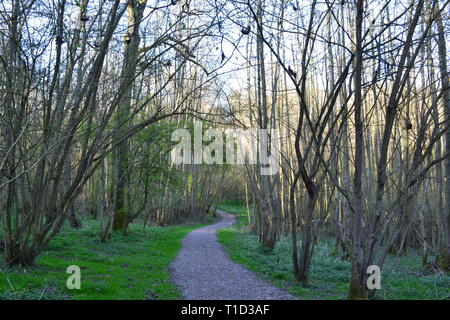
column 203, row 271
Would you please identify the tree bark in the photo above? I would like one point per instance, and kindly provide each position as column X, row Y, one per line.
column 444, row 246
column 357, row 288
column 121, row 156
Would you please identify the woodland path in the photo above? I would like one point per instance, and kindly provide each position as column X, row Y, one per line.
column 203, row 271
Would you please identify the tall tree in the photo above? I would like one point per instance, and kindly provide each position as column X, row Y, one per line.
column 135, row 11
column 442, row 47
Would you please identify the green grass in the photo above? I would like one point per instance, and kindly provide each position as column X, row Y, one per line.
column 329, row 275
column 132, row 266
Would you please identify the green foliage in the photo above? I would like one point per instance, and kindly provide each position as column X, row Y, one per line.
column 330, row 276
column 151, row 148
column 132, row 266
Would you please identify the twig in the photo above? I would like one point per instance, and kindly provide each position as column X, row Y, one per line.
column 42, row 293
column 10, row 284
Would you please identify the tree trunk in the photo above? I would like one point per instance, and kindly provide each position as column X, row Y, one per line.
column 444, row 246
column 357, row 285
column 132, row 40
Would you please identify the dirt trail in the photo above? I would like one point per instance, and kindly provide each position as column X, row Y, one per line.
column 203, row 271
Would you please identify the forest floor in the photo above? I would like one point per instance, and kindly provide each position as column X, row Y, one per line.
column 203, row 271
column 136, row 266
column 132, row 266
column 402, row 277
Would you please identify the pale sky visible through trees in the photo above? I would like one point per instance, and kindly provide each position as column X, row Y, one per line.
column 357, row 92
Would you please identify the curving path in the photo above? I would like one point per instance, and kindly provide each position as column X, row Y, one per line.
column 203, row 271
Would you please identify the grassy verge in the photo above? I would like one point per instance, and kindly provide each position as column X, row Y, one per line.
column 329, row 276
column 132, row 266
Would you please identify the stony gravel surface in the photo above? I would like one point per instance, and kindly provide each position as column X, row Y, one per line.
column 203, row 271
